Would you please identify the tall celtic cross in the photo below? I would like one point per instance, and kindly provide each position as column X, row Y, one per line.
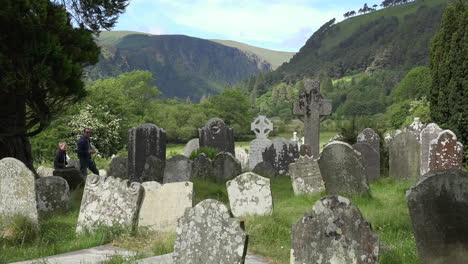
column 261, row 126
column 312, row 108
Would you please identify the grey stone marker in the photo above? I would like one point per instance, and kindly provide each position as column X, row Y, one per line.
column 342, row 170
column 190, row 147
column 404, row 157
column 416, row 127
column 44, row 171
column 429, row 133
column 250, row 194
column 144, row 141
column 242, row 156
column 261, row 126
column 109, row 201
column 208, row 234
column 305, row 176
column 52, row 194
column 334, row 231
column 119, row 168
column 153, row 170
column 71, row 175
column 265, row 169
column 437, row 204
column 312, row 108
column 280, row 154
column 216, row 134
column 445, row 152
column 202, row 167
column 225, row 167
column 17, row 190
column 370, row 161
column 368, row 136
column 178, row 169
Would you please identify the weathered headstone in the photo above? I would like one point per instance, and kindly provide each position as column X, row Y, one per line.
column 265, row 169
column 153, row 170
column 144, row 141
column 250, row 194
column 370, row 160
column 429, row 133
column 368, row 136
column 202, row 167
column 261, row 126
column 191, row 146
column 334, row 231
column 109, row 201
column 342, row 170
column 216, row 134
column 178, row 169
column 52, row 194
column 312, row 108
column 416, row 127
column 437, row 204
column 208, row 234
column 71, row 175
column 44, row 171
column 305, row 176
column 404, row 157
column 225, row 167
column 17, row 190
column 163, row 204
column 445, row 152
column 280, row 154
column 242, row 156
column 118, row 167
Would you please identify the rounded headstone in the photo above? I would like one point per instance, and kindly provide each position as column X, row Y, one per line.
column 190, row 147
column 216, row 134
column 280, row 154
column 404, row 157
column 368, row 136
column 225, row 167
column 118, row 168
column 202, row 167
column 429, row 133
column 445, row 152
column 53, row 194
column 178, row 169
column 370, row 160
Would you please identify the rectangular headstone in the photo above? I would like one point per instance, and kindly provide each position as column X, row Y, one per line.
column 429, row 133
column 404, row 157
column 305, row 176
column 178, row 169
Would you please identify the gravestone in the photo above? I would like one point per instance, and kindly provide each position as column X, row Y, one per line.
column 178, row 169
column 162, row 205
column 429, row 133
column 202, row 167
column 215, row 134
column 312, row 108
column 265, row 169
column 44, row 171
column 225, row 167
column 250, row 194
column 118, row 167
column 404, row 157
column 280, row 154
column 52, row 194
column 445, row 152
column 437, row 204
column 208, row 234
column 334, row 231
column 368, row 136
column 109, row 201
column 261, row 126
column 242, row 156
column 74, row 164
column 102, row 173
column 305, row 176
column 71, row 175
column 17, row 190
column 370, row 160
column 295, row 139
column 416, row 127
column 190, row 147
column 144, row 141
column 153, row 170
column 342, row 170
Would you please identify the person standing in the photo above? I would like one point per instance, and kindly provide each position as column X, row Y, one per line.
column 60, row 161
column 84, row 153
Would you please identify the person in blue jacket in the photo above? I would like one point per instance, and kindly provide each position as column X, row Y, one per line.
column 84, row 153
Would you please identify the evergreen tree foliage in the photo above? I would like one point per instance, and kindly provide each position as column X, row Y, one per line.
column 415, row 85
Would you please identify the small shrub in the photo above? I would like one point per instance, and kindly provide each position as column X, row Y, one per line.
column 209, row 152
column 164, row 244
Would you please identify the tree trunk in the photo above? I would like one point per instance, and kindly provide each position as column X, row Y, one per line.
column 17, row 147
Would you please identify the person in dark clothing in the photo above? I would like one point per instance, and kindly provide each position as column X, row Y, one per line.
column 84, row 153
column 60, row 161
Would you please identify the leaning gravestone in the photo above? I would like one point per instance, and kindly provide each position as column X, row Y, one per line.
column 250, row 194
column 404, row 157
column 368, row 136
column 71, row 175
column 370, row 161
column 190, row 147
column 342, row 170
column 265, row 169
column 118, row 167
column 225, row 167
column 305, row 176
column 429, row 133
column 108, row 201
column 445, row 152
column 153, row 170
column 215, row 134
column 243, row 157
column 163, row 204
column 44, row 171
column 437, row 204
column 334, row 231
column 144, row 141
column 202, row 167
column 52, row 194
column 280, row 154
column 261, row 126
column 416, row 127
column 208, row 234
column 17, row 190
column 178, row 169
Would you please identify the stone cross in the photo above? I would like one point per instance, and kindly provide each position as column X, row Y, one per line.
column 261, row 126
column 312, row 108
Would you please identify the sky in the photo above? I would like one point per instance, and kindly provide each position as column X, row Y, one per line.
column 272, row 24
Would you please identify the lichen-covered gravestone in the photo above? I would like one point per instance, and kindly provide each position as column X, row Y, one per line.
column 208, row 234
column 190, row 147
column 178, row 169
column 342, row 170
column 242, row 156
column 250, row 194
column 163, row 204
column 445, row 152
column 334, row 231
column 305, row 176
column 404, row 152
column 370, row 160
column 109, row 201
column 215, row 134
column 53, row 194
column 153, row 170
column 202, row 167
column 280, row 154
column 17, row 190
column 261, row 126
column 225, row 167
column 438, row 206
column 429, row 133
column 119, row 167
column 415, row 128
column 368, row 136
column 144, row 141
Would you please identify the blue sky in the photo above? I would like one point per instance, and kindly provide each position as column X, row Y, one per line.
column 279, row 25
